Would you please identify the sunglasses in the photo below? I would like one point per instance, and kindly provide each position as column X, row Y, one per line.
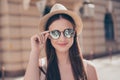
column 68, row 33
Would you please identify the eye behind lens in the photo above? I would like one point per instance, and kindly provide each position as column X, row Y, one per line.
column 69, row 33
column 55, row 34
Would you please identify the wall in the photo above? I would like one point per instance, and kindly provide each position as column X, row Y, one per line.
column 16, row 27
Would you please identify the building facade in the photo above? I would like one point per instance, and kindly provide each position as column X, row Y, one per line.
column 100, row 35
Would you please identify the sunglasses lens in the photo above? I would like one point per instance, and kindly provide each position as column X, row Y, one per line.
column 55, row 34
column 69, row 33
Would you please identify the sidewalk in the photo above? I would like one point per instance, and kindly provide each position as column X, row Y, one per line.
column 107, row 69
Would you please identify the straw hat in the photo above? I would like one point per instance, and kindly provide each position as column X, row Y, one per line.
column 57, row 9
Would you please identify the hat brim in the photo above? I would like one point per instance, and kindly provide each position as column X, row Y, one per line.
column 74, row 16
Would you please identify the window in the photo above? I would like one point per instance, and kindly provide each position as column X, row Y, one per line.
column 109, row 27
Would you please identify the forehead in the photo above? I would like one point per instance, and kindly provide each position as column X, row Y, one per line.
column 60, row 24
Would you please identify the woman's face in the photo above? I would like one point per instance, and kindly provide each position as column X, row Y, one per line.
column 62, row 44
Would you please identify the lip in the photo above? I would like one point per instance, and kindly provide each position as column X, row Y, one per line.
column 62, row 44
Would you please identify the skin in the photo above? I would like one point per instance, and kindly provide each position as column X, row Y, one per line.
column 61, row 46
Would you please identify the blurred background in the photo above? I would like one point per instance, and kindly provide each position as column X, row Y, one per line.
column 99, row 41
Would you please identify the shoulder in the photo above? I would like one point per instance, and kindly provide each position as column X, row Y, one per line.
column 88, row 64
column 90, row 70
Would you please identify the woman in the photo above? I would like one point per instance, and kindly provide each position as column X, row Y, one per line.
column 59, row 31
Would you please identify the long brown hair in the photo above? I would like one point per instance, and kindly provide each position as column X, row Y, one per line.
column 75, row 57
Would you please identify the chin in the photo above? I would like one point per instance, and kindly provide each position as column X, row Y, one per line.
column 62, row 49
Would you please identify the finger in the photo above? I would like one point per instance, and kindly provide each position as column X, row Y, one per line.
column 42, row 38
column 34, row 38
column 46, row 36
column 45, row 32
column 38, row 38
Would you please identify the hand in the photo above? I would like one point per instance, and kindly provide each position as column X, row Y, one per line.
column 38, row 41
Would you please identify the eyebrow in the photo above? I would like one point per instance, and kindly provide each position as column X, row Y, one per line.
column 61, row 31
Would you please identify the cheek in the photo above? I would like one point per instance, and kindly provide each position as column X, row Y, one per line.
column 56, row 46
column 54, row 43
column 71, row 42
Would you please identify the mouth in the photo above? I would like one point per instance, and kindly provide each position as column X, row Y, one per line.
column 62, row 44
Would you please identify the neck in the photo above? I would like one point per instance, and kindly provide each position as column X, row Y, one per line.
column 63, row 57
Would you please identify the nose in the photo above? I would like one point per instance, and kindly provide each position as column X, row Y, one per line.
column 62, row 37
